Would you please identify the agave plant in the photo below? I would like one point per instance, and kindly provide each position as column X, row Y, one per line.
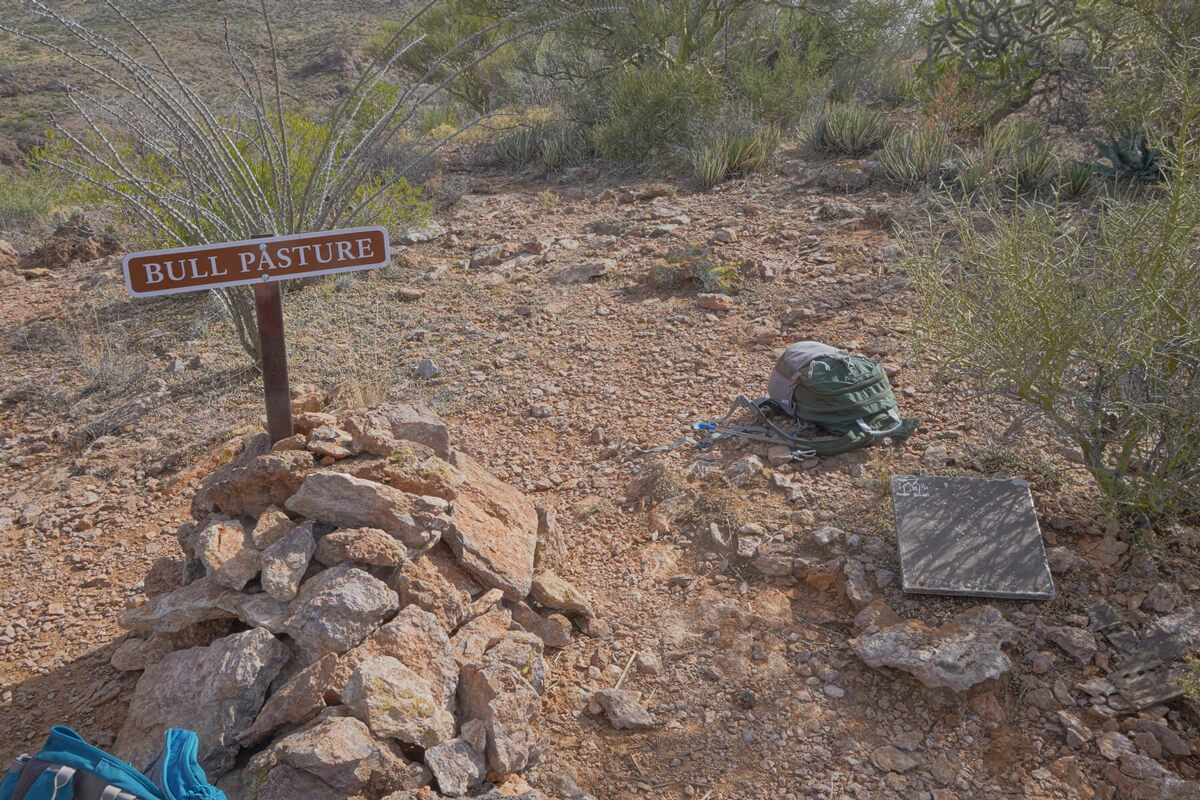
column 1131, row 157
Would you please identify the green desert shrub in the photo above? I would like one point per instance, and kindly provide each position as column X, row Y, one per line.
column 908, row 157
column 779, row 88
column 1075, row 179
column 551, row 144
column 848, row 129
column 651, row 110
column 734, row 152
column 28, row 201
column 1032, row 167
column 1091, row 320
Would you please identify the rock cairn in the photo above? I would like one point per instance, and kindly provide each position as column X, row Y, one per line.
column 359, row 616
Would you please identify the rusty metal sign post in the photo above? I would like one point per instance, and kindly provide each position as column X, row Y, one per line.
column 262, row 262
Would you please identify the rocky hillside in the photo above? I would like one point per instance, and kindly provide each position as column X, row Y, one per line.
column 735, row 627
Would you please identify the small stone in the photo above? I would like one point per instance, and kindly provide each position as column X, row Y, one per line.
column 426, row 370
column 270, row 528
column 329, row 440
column 1076, row 642
column 1042, row 663
column 552, row 592
column 715, row 301
column 137, row 654
column 349, row 502
column 471, row 640
column 1163, row 598
column 891, row 759
column 297, row 701
column 1113, row 745
column 337, row 609
column 624, row 709
column 648, row 662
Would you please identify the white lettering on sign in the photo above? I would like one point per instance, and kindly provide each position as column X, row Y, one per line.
column 911, row 487
column 153, row 272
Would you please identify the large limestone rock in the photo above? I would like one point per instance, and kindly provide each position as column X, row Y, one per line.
column 257, row 610
column 422, row 582
column 334, row 757
column 253, row 482
column 361, row 546
column 416, row 640
column 199, row 601
column 523, row 652
column 471, row 640
column 457, row 766
column 507, row 705
column 337, row 609
column 349, row 502
column 297, row 701
column 272, row 526
column 285, row 561
column 398, row 703
column 494, row 534
column 963, row 652
column 215, row 691
column 228, row 554
column 381, row 429
column 553, row 629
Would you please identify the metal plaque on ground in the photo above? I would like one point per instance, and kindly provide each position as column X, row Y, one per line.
column 970, row 536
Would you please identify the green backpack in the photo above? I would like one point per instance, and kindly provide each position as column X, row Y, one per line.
column 838, row 401
column 845, row 399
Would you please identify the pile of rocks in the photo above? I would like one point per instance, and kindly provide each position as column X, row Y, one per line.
column 363, row 614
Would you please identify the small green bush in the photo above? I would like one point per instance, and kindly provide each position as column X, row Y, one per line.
column 973, row 174
column 1075, row 178
column 652, row 109
column 552, row 144
column 781, row 89
column 733, row 153
column 849, row 129
column 1091, row 320
column 28, row 201
column 434, row 118
column 1032, row 167
column 908, row 157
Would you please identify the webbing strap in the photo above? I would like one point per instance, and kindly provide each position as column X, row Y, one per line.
column 767, row 431
column 33, row 769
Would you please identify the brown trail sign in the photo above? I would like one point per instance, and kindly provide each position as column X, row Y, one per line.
column 274, row 258
column 261, row 262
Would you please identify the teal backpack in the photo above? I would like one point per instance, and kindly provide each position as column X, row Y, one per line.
column 68, row 768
